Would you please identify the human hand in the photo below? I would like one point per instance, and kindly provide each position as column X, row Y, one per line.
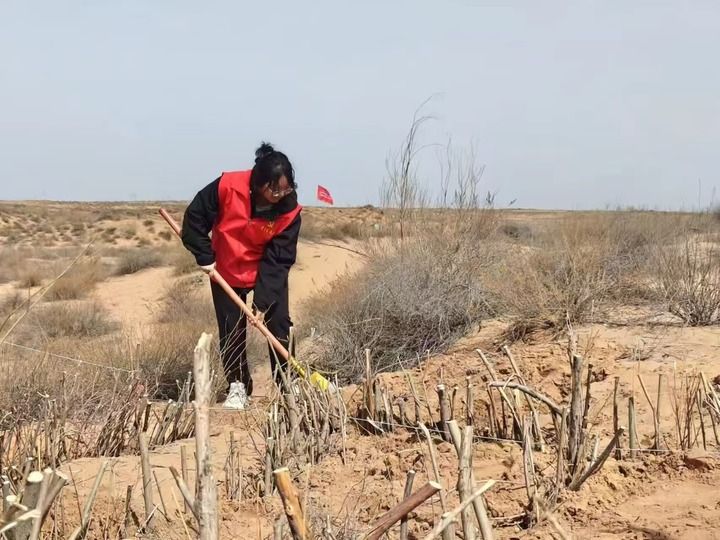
column 259, row 315
column 208, row 268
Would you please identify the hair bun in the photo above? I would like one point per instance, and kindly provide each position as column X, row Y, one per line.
column 265, row 150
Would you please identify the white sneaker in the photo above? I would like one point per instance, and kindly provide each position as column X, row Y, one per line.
column 237, row 398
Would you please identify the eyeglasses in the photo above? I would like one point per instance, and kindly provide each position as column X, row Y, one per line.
column 280, row 194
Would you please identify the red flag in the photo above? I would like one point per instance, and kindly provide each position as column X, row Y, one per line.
column 324, row 195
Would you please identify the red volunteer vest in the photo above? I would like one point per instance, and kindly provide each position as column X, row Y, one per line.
column 238, row 239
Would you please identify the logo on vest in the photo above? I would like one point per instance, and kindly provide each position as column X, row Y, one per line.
column 268, row 228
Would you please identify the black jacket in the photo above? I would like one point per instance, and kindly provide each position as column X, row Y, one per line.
column 280, row 252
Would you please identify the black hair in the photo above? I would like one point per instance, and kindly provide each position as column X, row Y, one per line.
column 270, row 166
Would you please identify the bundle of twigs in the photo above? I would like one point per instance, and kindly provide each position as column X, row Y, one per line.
column 303, row 424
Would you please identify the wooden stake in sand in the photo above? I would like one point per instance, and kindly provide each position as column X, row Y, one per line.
column 406, row 494
column 292, row 505
column 444, row 411
column 184, row 471
column 449, row 531
column 631, row 427
column 616, row 418
column 147, row 479
column 30, row 496
column 477, row 502
column 653, row 409
column 207, row 489
column 469, row 402
column 576, row 410
column 433, row 461
column 464, row 484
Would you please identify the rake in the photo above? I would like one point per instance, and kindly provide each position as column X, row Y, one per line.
column 315, row 378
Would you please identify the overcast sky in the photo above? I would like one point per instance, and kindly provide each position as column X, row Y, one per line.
column 568, row 104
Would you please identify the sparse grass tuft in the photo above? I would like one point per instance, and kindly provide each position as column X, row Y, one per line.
column 78, row 319
column 10, row 303
column 79, row 280
column 134, row 260
column 182, row 261
column 187, row 299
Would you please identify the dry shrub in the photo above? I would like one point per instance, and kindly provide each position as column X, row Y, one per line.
column 187, row 299
column 78, row 319
column 580, row 265
column 162, row 356
column 166, row 355
column 360, row 224
column 32, row 278
column 10, row 303
column 134, row 260
column 27, row 377
column 689, row 278
column 36, row 273
column 314, row 229
column 517, row 231
column 79, row 280
column 412, row 297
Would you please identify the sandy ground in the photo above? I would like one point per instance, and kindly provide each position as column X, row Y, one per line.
column 665, row 496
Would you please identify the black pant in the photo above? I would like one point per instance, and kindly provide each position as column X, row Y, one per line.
column 232, row 325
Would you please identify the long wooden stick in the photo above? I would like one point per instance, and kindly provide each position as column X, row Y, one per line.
column 184, row 491
column 554, row 407
column 207, row 489
column 392, row 516
column 291, row 502
column 450, row 516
